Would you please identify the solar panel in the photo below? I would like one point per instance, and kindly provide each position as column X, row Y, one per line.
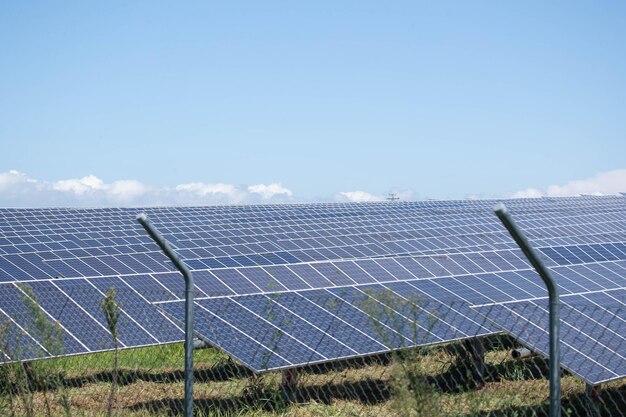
column 406, row 299
column 593, row 330
column 323, row 281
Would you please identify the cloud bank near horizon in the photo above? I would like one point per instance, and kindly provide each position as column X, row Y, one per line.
column 604, row 183
column 17, row 189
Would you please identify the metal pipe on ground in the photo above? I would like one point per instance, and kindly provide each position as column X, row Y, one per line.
column 521, row 353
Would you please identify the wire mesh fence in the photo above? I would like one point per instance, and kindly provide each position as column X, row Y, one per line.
column 64, row 367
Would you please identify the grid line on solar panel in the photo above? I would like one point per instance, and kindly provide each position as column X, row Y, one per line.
column 465, row 301
column 155, row 255
column 592, row 332
column 442, row 272
column 77, row 310
column 413, row 225
column 359, row 272
column 609, row 251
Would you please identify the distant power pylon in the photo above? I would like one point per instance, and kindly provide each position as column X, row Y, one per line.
column 393, row 197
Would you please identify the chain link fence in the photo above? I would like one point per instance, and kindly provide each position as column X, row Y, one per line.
column 471, row 376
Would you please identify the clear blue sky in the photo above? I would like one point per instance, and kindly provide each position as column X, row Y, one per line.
column 447, row 99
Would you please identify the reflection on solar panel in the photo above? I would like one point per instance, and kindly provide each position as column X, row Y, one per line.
column 593, row 330
column 285, row 285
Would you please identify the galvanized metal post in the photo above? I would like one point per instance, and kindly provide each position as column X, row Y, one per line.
column 553, row 295
column 178, row 263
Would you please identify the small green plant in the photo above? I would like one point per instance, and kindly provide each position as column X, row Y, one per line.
column 112, row 311
column 12, row 376
column 19, row 379
column 517, row 371
column 407, row 322
column 413, row 395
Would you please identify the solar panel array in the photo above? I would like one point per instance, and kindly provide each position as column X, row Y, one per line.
column 593, row 327
column 284, row 285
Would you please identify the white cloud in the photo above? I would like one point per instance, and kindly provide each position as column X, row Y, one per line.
column 528, row 193
column 356, row 196
column 201, row 189
column 127, row 190
column 604, row 183
column 13, row 179
column 80, row 186
column 269, row 191
column 204, row 193
column 18, row 189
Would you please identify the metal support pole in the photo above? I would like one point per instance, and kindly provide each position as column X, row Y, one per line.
column 591, row 394
column 475, row 357
column 178, row 263
column 553, row 295
column 289, row 383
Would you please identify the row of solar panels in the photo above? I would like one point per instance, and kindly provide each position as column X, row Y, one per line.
column 582, row 230
column 120, row 230
column 281, row 329
column 286, row 251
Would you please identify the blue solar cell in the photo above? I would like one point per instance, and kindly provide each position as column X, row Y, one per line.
column 343, row 309
column 149, row 288
column 286, row 278
column 396, row 271
column 140, row 311
column 228, row 261
column 17, row 345
column 466, row 263
column 21, row 312
column 100, row 267
column 312, row 336
column 244, row 260
column 394, row 329
column 356, row 273
column 527, row 280
column 9, row 272
column 310, row 276
column 448, row 308
column 209, row 284
column 89, row 298
column 509, row 284
column 63, row 269
column 117, row 265
column 263, row 331
column 484, row 285
column 36, row 260
column 413, row 265
column 571, row 281
column 133, row 262
column 229, row 338
column 77, row 322
column 333, row 274
column 81, row 267
column 339, row 329
column 212, row 263
column 237, row 282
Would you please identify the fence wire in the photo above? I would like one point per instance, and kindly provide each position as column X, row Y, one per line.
column 474, row 375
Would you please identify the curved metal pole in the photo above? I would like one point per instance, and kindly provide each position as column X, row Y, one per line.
column 178, row 263
column 553, row 295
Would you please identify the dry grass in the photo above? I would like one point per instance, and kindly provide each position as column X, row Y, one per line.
column 151, row 384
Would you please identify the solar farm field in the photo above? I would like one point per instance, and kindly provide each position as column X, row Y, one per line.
column 336, row 309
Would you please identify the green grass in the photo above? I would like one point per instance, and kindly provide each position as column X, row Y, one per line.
column 151, row 384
